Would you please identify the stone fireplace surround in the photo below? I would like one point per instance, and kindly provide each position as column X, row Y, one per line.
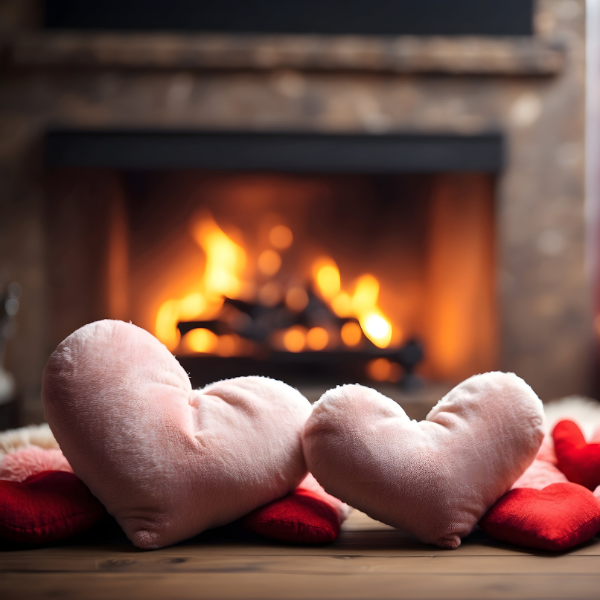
column 529, row 90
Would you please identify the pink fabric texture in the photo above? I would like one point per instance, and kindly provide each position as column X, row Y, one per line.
column 166, row 461
column 434, row 479
column 310, row 484
column 543, row 471
column 18, row 466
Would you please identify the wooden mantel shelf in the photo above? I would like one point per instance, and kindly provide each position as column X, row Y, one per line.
column 458, row 56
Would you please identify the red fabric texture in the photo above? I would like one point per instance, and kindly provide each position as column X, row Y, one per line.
column 301, row 517
column 577, row 459
column 556, row 518
column 46, row 507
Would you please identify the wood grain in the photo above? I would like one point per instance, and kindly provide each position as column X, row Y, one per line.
column 370, row 560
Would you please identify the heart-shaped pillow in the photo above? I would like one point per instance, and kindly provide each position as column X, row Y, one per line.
column 19, row 465
column 434, row 479
column 309, row 515
column 556, row 518
column 577, row 459
column 46, row 507
column 166, row 461
column 543, row 471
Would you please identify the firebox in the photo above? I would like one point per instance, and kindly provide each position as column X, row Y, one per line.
column 317, row 259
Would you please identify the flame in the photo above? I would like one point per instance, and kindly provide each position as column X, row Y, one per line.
column 225, row 261
column 201, row 340
column 166, row 324
column 327, row 277
column 362, row 304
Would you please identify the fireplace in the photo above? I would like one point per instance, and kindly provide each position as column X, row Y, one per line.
column 437, row 174
column 315, row 259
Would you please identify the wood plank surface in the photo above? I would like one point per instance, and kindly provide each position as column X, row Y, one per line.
column 370, row 560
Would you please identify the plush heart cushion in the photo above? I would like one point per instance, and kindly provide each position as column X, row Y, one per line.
column 543, row 471
column 169, row 462
column 18, row 466
column 309, row 515
column 46, row 507
column 556, row 518
column 577, row 459
column 434, row 479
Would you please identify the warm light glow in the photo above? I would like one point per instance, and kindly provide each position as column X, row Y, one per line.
column 382, row 369
column 342, row 305
column 294, row 339
column 351, row 334
column 269, row 262
column 281, row 237
column 166, row 324
column 201, row 340
column 327, row 277
column 365, row 294
column 191, row 306
column 379, row 369
column 317, row 338
column 395, row 372
column 228, row 345
column 296, row 299
column 377, row 329
column 225, row 260
column 269, row 294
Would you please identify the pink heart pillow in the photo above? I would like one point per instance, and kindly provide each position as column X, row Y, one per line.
column 434, row 479
column 166, row 461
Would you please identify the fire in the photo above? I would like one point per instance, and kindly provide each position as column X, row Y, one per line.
column 362, row 304
column 290, row 283
column 225, row 262
column 202, row 340
column 327, row 277
column 225, row 269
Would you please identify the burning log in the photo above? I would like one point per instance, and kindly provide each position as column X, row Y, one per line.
column 259, row 324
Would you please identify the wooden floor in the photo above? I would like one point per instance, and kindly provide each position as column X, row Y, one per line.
column 370, row 560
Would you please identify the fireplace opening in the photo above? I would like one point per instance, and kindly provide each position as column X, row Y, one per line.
column 307, row 277
column 318, row 259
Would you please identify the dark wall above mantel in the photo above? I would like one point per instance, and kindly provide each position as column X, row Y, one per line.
column 328, row 17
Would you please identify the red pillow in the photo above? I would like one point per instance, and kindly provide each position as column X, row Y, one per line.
column 558, row 517
column 302, row 517
column 46, row 507
column 577, row 459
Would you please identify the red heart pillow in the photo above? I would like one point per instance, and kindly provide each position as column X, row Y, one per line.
column 577, row 459
column 556, row 518
column 46, row 507
column 309, row 515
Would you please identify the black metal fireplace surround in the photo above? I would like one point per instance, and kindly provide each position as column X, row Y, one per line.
column 328, row 17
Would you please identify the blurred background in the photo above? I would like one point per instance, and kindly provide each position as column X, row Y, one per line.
column 390, row 192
